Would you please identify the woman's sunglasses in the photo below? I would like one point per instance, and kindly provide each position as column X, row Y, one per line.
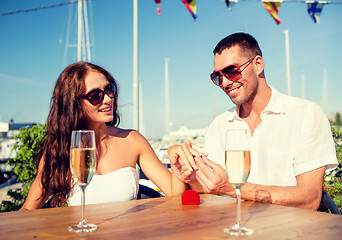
column 232, row 72
column 96, row 96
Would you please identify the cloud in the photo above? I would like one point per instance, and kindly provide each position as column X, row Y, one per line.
column 19, row 79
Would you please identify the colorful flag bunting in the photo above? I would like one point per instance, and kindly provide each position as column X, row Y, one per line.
column 230, row 3
column 314, row 10
column 158, row 6
column 273, row 8
column 191, row 6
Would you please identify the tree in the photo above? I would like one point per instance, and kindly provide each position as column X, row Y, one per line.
column 338, row 121
column 332, row 181
column 25, row 167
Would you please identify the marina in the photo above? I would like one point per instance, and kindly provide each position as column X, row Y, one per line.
column 160, row 146
column 184, row 53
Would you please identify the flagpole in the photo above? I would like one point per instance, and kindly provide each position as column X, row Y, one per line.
column 135, row 66
column 287, row 48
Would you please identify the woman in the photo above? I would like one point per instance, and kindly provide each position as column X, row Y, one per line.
column 85, row 97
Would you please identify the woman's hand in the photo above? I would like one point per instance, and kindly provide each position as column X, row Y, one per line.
column 184, row 155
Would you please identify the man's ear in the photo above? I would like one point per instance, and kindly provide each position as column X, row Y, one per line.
column 259, row 63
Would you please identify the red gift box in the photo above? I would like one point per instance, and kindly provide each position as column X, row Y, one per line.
column 190, row 197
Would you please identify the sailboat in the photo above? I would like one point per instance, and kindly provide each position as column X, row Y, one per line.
column 83, row 42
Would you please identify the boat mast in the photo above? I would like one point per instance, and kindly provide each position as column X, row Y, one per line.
column 141, row 127
column 287, row 48
column 86, row 24
column 83, row 42
column 79, row 31
column 324, row 91
column 303, row 86
column 135, row 67
column 167, row 116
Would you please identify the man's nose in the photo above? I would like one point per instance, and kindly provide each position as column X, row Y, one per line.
column 225, row 81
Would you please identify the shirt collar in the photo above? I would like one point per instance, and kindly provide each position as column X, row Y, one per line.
column 275, row 105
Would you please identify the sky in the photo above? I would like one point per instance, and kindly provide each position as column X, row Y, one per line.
column 33, row 53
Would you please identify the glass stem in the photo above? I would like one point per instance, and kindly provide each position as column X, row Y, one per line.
column 82, row 204
column 238, row 209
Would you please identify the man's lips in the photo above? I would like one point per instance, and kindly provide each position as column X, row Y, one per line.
column 233, row 91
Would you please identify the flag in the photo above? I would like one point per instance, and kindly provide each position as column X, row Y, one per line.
column 273, row 8
column 158, row 6
column 191, row 6
column 230, row 3
column 314, row 10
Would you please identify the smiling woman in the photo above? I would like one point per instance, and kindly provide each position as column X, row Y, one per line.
column 85, row 98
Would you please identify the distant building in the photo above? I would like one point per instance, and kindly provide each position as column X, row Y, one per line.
column 6, row 152
column 196, row 136
column 7, row 132
column 10, row 129
column 184, row 133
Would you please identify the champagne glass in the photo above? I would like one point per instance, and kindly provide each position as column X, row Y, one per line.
column 82, row 164
column 238, row 164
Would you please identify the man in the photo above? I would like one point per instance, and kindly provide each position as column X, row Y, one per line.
column 291, row 141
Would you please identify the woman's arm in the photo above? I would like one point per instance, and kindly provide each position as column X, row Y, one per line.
column 150, row 164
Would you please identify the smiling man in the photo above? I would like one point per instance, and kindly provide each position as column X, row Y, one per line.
column 291, row 141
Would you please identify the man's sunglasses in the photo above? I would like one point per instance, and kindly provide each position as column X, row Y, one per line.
column 96, row 96
column 232, row 72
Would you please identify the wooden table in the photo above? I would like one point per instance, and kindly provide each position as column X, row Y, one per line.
column 167, row 218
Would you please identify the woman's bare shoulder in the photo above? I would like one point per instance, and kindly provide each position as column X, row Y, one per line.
column 128, row 134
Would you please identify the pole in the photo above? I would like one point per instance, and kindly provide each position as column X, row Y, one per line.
column 135, row 66
column 87, row 43
column 141, row 127
column 287, row 48
column 167, row 120
column 303, row 86
column 79, row 31
column 324, row 91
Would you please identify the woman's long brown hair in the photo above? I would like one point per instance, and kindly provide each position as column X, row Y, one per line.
column 66, row 114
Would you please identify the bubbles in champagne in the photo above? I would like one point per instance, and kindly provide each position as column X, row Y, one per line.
column 82, row 165
column 238, row 164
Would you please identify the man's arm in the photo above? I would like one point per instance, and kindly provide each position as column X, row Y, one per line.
column 306, row 194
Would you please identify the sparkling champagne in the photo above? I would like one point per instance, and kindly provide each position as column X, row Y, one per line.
column 82, row 165
column 238, row 165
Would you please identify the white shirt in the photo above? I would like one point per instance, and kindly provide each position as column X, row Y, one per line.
column 120, row 185
column 294, row 137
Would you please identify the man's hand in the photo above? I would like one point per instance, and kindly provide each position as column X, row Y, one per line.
column 213, row 177
column 192, row 167
column 182, row 161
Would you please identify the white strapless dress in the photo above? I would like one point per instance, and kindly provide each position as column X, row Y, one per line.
column 120, row 185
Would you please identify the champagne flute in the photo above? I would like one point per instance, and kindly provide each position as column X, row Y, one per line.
column 82, row 164
column 238, row 164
